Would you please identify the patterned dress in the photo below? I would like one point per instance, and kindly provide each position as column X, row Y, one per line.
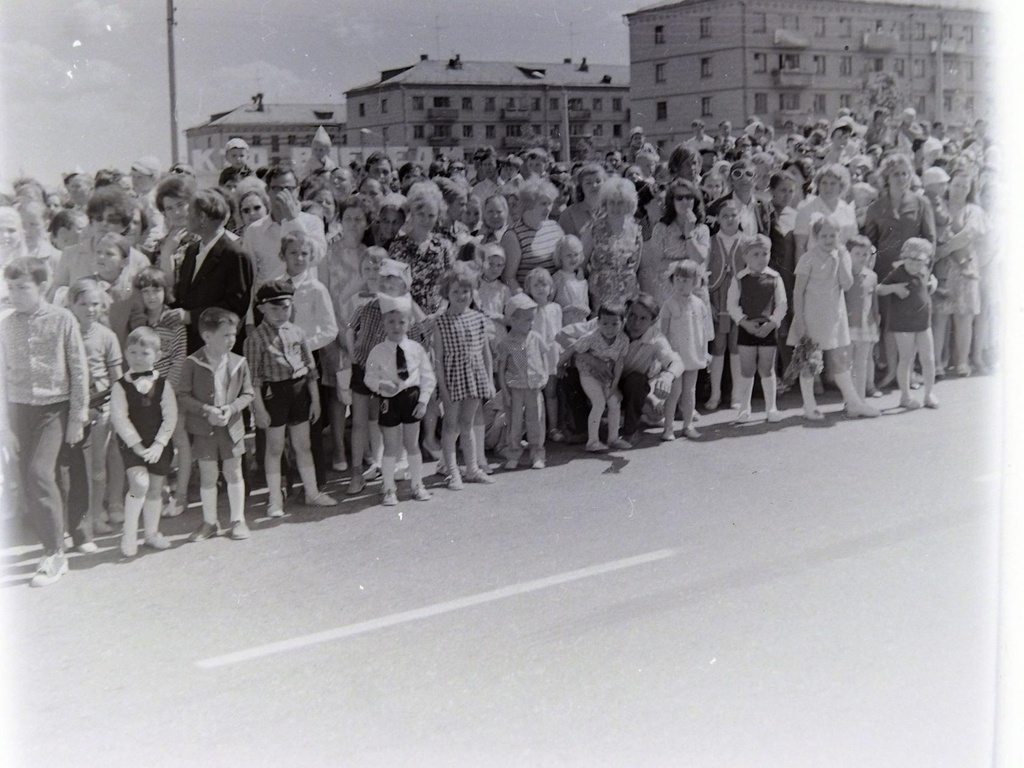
column 428, row 261
column 614, row 261
column 462, row 354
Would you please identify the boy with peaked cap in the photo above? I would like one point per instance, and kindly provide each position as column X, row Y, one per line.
column 236, row 157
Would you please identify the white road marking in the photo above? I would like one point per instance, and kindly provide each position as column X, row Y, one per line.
column 429, row 611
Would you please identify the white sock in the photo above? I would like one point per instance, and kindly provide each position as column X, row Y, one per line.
column 416, row 468
column 745, row 389
column 151, row 517
column 308, row 474
column 734, row 372
column 770, row 386
column 276, row 500
column 208, row 498
column 387, row 471
column 236, row 500
column 132, row 508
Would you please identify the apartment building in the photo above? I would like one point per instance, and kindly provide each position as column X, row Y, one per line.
column 457, row 106
column 799, row 60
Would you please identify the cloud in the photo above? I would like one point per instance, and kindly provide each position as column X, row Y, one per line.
column 91, row 17
column 34, row 74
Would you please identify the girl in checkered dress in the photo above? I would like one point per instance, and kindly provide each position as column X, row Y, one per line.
column 465, row 374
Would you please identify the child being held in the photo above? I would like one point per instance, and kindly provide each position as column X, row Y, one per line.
column 285, row 392
column 522, row 374
column 600, row 355
column 908, row 315
column 571, row 291
column 757, row 304
column 215, row 388
column 399, row 371
column 144, row 412
column 687, row 324
column 862, row 314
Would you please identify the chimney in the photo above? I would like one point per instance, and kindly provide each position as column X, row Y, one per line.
column 583, row 65
column 567, row 61
column 424, row 57
column 257, row 101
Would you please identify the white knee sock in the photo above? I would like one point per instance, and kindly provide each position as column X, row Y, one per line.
column 744, row 391
column 275, row 500
column 307, row 472
column 132, row 508
column 416, row 468
column 150, row 518
column 236, row 500
column 807, row 392
column 770, row 386
column 734, row 373
column 208, row 499
column 387, row 471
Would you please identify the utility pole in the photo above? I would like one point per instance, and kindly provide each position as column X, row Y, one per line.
column 173, row 85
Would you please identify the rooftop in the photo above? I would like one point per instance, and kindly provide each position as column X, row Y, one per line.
column 963, row 5
column 258, row 112
column 458, row 72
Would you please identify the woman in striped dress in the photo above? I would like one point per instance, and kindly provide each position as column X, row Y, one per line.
column 531, row 242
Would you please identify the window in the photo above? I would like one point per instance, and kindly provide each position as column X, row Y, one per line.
column 617, row 130
column 705, row 66
column 846, row 65
column 537, row 130
column 489, row 104
column 659, row 35
column 761, row 103
column 900, row 65
column 511, row 103
column 969, row 65
column 705, row 106
column 922, row 105
column 467, row 131
column 879, row 25
column 947, row 101
column 969, row 105
column 256, row 141
column 599, row 130
column 513, row 131
column 383, row 106
column 616, row 104
column 791, row 21
column 535, row 104
column 878, row 64
column 789, row 61
column 554, row 131
column 918, row 67
column 919, row 30
column 760, row 62
column 417, row 103
column 758, row 22
column 705, row 26
column 553, row 104
column 947, row 31
column 819, row 65
column 467, row 103
column 819, row 26
column 969, row 34
column 275, row 143
column 661, row 110
column 442, row 102
column 845, row 26
column 442, row 132
column 575, row 104
column 819, row 103
column 598, row 105
column 488, row 131
column 362, row 109
column 789, row 102
column 659, row 73
column 845, row 102
column 417, row 131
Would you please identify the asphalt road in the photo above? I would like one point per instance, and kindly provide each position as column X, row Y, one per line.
column 772, row 595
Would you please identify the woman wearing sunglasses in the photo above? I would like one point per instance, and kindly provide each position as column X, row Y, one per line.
column 681, row 234
column 755, row 217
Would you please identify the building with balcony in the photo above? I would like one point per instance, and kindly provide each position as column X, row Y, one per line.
column 456, row 106
column 274, row 132
column 795, row 60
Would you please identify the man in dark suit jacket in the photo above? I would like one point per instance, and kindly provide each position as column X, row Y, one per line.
column 754, row 213
column 215, row 272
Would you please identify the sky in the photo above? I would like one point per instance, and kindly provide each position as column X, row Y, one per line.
column 84, row 82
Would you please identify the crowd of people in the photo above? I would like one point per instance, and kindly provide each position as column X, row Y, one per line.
column 355, row 318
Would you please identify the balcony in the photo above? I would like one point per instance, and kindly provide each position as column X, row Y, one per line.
column 515, row 115
column 579, row 115
column 952, row 47
column 443, row 141
column 517, row 142
column 785, row 115
column 792, row 78
column 787, row 38
column 442, row 114
column 878, row 42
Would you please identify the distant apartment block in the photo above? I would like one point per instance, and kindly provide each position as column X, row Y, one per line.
column 793, row 60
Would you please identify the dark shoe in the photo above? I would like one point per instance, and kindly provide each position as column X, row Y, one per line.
column 205, row 531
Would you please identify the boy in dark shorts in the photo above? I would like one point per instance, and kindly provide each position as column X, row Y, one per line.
column 399, row 371
column 286, row 394
column 213, row 390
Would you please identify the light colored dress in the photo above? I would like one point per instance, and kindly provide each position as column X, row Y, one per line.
column 687, row 324
column 844, row 214
column 547, row 322
column 961, row 294
column 824, row 306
